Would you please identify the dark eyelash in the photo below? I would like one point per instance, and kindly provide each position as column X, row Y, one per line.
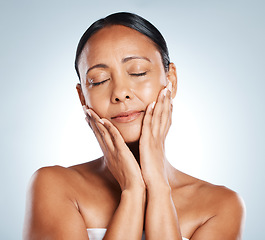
column 98, row 83
column 132, row 74
column 138, row 74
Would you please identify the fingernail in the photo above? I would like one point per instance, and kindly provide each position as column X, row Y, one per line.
column 101, row 121
column 169, row 86
column 153, row 105
column 88, row 112
column 165, row 91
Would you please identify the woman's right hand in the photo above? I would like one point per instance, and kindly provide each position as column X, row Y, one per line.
column 117, row 156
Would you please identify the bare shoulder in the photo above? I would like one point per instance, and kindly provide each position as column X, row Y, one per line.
column 222, row 199
column 213, row 195
column 50, row 173
column 51, row 179
column 220, row 211
column 52, row 209
column 62, row 177
column 226, row 213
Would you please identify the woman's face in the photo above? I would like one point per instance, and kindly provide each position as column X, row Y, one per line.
column 121, row 73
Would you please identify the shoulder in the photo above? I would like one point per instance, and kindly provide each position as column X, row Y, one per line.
column 53, row 176
column 215, row 210
column 226, row 213
column 49, row 184
column 231, row 206
column 208, row 200
column 52, row 199
column 53, row 181
column 224, row 208
column 64, row 175
column 49, row 173
column 221, row 197
column 217, row 199
column 209, row 194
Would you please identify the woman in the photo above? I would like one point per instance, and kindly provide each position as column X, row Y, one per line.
column 126, row 88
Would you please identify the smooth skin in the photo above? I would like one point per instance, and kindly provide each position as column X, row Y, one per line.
column 133, row 186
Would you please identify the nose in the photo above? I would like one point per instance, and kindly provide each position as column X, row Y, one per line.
column 121, row 91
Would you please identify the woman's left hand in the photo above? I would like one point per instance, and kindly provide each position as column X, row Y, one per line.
column 156, row 124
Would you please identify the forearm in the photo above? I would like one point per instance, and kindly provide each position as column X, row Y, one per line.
column 127, row 222
column 161, row 220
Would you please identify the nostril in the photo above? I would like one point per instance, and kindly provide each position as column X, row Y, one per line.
column 122, row 99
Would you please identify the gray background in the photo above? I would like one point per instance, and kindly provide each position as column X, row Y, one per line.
column 218, row 120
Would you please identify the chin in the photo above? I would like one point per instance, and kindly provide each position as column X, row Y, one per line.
column 132, row 139
column 131, row 134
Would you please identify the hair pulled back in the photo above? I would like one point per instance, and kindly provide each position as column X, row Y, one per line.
column 132, row 21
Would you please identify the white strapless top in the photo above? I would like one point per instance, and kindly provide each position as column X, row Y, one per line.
column 98, row 234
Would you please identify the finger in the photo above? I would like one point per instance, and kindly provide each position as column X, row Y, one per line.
column 97, row 133
column 102, row 133
column 115, row 135
column 166, row 112
column 92, row 114
column 157, row 114
column 85, row 108
column 109, row 132
column 88, row 121
column 170, row 117
column 147, row 122
column 100, row 125
column 106, row 136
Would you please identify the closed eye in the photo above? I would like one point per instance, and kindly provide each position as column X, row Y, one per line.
column 98, row 83
column 138, row 74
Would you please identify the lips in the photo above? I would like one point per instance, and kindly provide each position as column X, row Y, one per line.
column 128, row 116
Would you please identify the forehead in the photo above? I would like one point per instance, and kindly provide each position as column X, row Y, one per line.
column 116, row 42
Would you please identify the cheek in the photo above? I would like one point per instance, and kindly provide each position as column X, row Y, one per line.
column 98, row 103
column 150, row 90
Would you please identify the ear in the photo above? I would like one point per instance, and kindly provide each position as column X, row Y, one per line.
column 80, row 94
column 172, row 77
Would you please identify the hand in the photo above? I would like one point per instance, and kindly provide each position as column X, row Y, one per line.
column 118, row 157
column 156, row 124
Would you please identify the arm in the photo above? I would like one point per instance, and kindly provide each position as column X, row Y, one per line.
column 50, row 213
column 127, row 222
column 161, row 220
column 161, row 215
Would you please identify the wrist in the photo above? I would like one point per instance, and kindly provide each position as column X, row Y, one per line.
column 137, row 194
column 135, row 189
column 159, row 189
column 135, row 186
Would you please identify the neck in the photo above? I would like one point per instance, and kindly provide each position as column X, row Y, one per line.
column 134, row 148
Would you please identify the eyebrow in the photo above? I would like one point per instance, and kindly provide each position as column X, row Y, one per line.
column 124, row 60
column 101, row 65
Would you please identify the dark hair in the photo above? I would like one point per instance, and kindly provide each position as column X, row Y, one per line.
column 128, row 20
